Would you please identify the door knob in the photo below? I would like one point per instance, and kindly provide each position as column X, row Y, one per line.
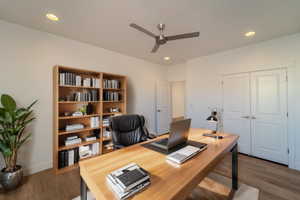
column 253, row 117
column 158, row 110
column 246, row 117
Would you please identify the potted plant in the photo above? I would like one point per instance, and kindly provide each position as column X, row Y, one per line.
column 13, row 122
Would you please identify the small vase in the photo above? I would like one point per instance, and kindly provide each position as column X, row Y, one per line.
column 11, row 180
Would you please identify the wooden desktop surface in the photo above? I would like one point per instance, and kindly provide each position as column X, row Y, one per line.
column 167, row 180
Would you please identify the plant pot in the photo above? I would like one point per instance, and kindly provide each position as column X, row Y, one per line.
column 11, row 180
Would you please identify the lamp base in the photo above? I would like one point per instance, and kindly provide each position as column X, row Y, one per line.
column 213, row 135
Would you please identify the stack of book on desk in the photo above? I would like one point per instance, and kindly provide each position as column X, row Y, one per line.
column 128, row 180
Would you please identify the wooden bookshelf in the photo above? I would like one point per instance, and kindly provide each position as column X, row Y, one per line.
column 63, row 107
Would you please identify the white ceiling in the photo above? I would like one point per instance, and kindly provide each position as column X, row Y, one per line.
column 105, row 23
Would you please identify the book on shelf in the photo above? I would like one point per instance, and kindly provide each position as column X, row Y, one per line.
column 72, row 141
column 111, row 84
column 68, row 158
column 73, row 127
column 71, row 155
column 128, row 180
column 90, row 138
column 106, row 133
column 105, row 121
column 72, row 79
column 111, row 96
column 89, row 150
column 95, row 148
column 87, row 95
column 94, row 122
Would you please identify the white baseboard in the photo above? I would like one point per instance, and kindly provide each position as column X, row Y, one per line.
column 297, row 165
column 37, row 167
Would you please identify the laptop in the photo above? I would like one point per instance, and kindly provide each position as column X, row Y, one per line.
column 179, row 131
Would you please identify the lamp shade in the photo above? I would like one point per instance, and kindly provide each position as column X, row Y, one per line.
column 212, row 118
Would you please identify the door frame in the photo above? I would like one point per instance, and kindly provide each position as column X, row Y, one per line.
column 291, row 104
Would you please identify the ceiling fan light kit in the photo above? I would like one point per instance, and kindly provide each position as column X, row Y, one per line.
column 161, row 38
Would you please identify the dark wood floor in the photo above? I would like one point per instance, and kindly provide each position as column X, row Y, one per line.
column 275, row 182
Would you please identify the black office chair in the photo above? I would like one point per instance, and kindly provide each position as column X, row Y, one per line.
column 128, row 130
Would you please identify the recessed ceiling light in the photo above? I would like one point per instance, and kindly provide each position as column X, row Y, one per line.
column 52, row 17
column 250, row 34
column 167, row 58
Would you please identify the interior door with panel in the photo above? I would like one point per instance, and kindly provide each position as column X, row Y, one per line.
column 236, row 109
column 269, row 115
column 163, row 107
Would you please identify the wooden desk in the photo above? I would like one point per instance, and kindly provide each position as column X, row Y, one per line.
column 167, row 181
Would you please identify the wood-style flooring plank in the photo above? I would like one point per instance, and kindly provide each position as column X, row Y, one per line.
column 275, row 182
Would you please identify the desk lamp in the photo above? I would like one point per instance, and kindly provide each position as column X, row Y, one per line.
column 213, row 120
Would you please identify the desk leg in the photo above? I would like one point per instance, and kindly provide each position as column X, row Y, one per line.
column 83, row 190
column 234, row 167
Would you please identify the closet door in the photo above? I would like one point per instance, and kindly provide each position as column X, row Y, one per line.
column 269, row 115
column 236, row 109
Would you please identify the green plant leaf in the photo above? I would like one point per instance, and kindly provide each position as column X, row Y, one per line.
column 30, row 106
column 22, row 141
column 6, row 151
column 8, row 117
column 8, row 102
column 2, row 111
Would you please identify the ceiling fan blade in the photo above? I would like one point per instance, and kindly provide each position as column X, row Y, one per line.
column 183, row 36
column 143, row 30
column 155, row 48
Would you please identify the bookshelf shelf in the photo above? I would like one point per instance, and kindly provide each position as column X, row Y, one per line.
column 79, row 87
column 78, row 117
column 112, row 101
column 77, row 145
column 77, row 131
column 115, row 89
column 99, row 87
column 77, row 102
column 106, row 139
column 67, row 169
column 112, row 113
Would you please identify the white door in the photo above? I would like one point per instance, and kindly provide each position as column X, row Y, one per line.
column 269, row 115
column 236, row 109
column 163, row 108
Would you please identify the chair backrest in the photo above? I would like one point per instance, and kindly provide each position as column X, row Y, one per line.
column 128, row 130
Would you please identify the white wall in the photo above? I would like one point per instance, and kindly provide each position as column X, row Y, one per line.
column 177, row 72
column 203, row 79
column 178, row 98
column 26, row 60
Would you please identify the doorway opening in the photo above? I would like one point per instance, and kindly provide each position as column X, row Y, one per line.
column 177, row 100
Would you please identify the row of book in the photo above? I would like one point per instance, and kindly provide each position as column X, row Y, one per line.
column 68, row 78
column 115, row 84
column 128, row 180
column 111, row 96
column 71, row 140
column 70, row 157
column 105, row 121
column 94, row 122
column 91, row 95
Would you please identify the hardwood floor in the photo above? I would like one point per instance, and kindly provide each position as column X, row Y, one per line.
column 275, row 182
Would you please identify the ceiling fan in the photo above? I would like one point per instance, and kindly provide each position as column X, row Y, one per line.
column 161, row 38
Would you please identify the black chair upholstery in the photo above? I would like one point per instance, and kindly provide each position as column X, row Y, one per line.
column 128, row 130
